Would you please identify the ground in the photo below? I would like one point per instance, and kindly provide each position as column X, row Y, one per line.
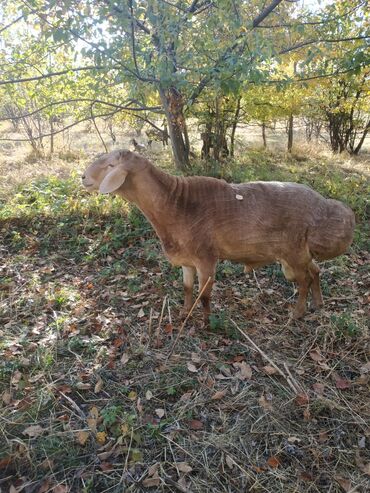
column 97, row 391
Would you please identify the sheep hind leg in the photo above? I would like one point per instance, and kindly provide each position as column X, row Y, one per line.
column 317, row 300
column 206, row 276
column 188, row 274
column 304, row 280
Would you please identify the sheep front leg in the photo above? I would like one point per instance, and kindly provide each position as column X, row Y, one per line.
column 206, row 275
column 314, row 270
column 188, row 274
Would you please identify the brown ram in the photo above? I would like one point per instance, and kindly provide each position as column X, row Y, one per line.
column 201, row 220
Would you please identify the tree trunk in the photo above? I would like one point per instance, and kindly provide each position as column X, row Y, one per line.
column 51, row 136
column 173, row 106
column 290, row 133
column 362, row 140
column 233, row 128
column 264, row 135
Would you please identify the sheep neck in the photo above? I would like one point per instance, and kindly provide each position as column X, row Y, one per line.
column 155, row 193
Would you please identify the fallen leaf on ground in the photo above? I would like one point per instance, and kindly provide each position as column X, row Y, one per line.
column 323, row 436
column 148, row 395
column 82, row 437
column 294, row 439
column 6, row 398
column 60, row 488
column 34, row 431
column 187, row 396
column 192, row 367
column 273, row 462
column 132, row 395
column 106, row 466
column 301, row 400
column 245, row 371
column 124, row 358
column 153, row 469
column 364, row 467
column 342, row 383
column 160, row 413
column 17, row 375
column 315, row 355
column 98, row 386
column 150, row 482
column 230, row 461
column 101, row 437
column 195, row 358
column 269, row 370
column 266, row 404
column 5, row 461
column 168, row 328
column 195, row 424
column 344, row 483
column 305, row 476
column 319, row 388
column 365, row 368
column 83, row 386
column 219, row 395
column 92, row 420
column 183, row 467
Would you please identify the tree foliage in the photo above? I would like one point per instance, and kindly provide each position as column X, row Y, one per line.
column 174, row 59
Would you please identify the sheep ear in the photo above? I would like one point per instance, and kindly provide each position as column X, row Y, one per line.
column 113, row 180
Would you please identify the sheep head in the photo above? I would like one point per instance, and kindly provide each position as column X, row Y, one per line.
column 109, row 172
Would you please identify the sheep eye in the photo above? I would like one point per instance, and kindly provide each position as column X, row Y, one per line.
column 110, row 165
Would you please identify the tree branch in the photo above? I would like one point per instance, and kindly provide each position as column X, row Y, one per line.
column 11, row 23
column 128, row 108
column 90, row 43
column 265, row 12
column 313, row 41
column 206, row 79
column 102, row 115
column 53, row 74
column 96, row 127
column 322, row 76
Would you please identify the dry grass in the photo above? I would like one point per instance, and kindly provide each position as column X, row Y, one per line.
column 91, row 400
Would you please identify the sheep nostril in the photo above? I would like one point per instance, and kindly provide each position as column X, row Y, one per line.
column 83, row 177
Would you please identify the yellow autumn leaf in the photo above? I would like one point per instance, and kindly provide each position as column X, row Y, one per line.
column 93, row 417
column 124, row 429
column 101, row 437
column 82, row 437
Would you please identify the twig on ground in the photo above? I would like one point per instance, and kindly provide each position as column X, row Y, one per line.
column 291, row 384
column 187, row 317
column 160, row 319
column 150, row 325
column 74, row 405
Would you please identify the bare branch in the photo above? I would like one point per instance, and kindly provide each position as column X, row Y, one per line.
column 102, row 115
column 155, row 109
column 316, row 41
column 11, row 23
column 96, row 128
column 53, row 74
column 321, row 76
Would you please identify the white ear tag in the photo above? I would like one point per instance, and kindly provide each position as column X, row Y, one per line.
column 239, row 197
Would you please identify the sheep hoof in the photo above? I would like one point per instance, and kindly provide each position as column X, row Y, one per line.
column 316, row 305
column 298, row 313
column 184, row 312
